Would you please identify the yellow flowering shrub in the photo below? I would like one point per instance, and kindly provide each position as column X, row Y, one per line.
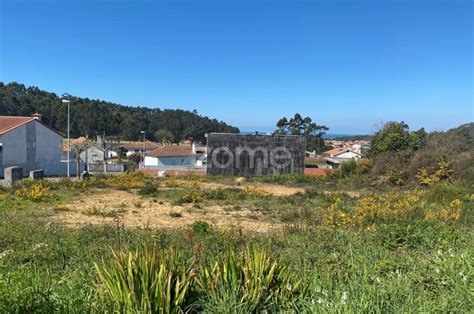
column 133, row 180
column 335, row 217
column 173, row 183
column 34, row 192
column 373, row 209
column 449, row 214
column 443, row 172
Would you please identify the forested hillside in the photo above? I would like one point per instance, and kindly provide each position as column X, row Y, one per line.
column 89, row 116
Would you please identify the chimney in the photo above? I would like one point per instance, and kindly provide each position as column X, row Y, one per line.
column 37, row 116
column 101, row 139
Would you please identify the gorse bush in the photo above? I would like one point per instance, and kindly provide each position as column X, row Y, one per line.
column 34, row 192
column 145, row 281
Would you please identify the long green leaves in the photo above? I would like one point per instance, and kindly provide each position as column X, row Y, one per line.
column 144, row 281
column 253, row 280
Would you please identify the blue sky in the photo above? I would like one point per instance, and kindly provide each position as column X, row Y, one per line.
column 347, row 64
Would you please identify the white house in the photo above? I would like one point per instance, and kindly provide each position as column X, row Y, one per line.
column 343, row 153
column 176, row 157
column 28, row 143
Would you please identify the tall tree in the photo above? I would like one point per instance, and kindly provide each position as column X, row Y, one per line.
column 306, row 127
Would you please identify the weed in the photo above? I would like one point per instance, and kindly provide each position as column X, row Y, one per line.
column 176, row 214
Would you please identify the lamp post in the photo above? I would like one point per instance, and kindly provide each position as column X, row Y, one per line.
column 65, row 101
column 143, row 132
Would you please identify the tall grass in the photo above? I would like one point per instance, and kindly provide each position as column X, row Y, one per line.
column 145, row 281
column 250, row 282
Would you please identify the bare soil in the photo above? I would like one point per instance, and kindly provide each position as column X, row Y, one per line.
column 109, row 206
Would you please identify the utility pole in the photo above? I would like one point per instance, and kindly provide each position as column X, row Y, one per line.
column 65, row 101
column 143, row 132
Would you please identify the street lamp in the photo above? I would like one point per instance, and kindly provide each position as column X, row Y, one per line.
column 143, row 132
column 65, row 101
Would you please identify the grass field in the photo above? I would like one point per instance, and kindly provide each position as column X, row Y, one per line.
column 290, row 243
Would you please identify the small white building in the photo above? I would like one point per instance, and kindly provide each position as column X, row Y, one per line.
column 28, row 143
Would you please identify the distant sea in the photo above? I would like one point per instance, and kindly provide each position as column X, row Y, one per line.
column 326, row 136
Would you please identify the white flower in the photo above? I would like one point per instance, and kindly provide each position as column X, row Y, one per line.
column 344, row 297
column 38, row 246
column 378, row 280
column 5, row 253
column 320, row 301
column 437, row 270
column 440, row 252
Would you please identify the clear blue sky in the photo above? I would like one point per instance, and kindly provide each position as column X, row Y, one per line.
column 346, row 64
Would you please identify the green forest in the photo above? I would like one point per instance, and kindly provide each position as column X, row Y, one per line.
column 89, row 116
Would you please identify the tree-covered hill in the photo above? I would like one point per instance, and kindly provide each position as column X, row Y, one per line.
column 89, row 116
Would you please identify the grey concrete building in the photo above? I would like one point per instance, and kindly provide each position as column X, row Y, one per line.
column 253, row 155
column 28, row 143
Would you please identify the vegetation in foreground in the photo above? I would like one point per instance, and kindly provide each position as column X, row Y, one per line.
column 392, row 249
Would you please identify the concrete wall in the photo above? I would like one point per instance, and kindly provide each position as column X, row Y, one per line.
column 252, row 155
column 32, row 146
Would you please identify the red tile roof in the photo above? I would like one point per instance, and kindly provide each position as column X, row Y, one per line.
column 172, row 151
column 335, row 151
column 74, row 142
column 8, row 123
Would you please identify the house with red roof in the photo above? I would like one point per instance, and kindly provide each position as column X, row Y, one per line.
column 176, row 157
column 28, row 143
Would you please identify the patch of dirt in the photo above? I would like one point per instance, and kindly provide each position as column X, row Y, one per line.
column 271, row 189
column 108, row 206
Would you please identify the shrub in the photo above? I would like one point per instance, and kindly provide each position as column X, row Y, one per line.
column 348, row 168
column 35, row 192
column 148, row 190
column 145, row 281
column 200, row 227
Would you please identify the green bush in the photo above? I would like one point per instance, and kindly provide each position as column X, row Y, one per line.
column 200, row 227
column 148, row 190
column 348, row 168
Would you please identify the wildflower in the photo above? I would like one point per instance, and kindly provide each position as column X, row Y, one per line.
column 378, row 280
column 344, row 297
column 440, row 252
column 5, row 253
column 320, row 301
column 437, row 270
